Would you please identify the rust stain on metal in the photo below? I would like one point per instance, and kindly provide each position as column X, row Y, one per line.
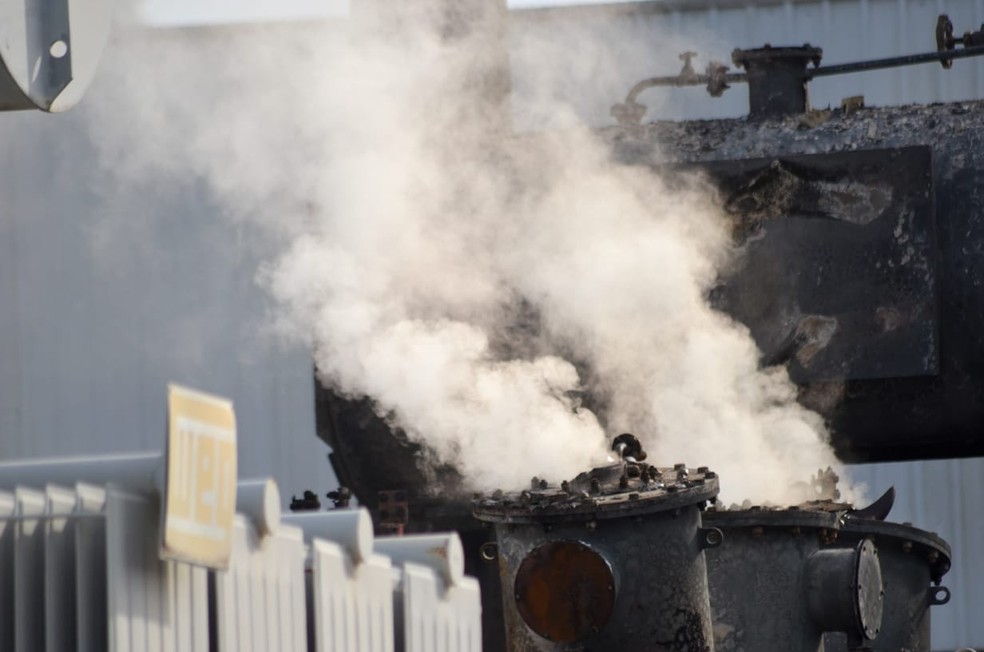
column 565, row 591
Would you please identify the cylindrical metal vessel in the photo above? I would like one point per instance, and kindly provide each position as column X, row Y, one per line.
column 913, row 563
column 777, row 78
column 775, row 583
column 613, row 560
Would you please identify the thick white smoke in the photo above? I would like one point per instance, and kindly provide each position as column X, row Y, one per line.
column 414, row 234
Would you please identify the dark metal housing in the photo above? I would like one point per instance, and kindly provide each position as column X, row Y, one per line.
column 913, row 563
column 607, row 562
column 776, row 584
column 794, row 578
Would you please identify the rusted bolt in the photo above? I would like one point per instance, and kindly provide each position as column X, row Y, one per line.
column 757, row 531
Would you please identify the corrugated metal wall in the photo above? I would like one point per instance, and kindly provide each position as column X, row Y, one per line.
column 595, row 54
column 101, row 305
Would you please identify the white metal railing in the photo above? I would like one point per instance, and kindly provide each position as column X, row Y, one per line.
column 438, row 608
column 80, row 569
column 260, row 599
column 351, row 592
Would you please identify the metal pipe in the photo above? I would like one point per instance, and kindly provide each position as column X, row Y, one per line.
column 349, row 528
column 140, row 472
column 894, row 62
column 441, row 552
column 680, row 81
column 260, row 501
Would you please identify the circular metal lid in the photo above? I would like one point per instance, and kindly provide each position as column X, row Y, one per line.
column 870, row 593
column 564, row 591
column 621, row 489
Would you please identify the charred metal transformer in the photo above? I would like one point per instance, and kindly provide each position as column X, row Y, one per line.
column 860, row 239
column 612, row 560
column 789, row 578
column 913, row 563
column 778, row 583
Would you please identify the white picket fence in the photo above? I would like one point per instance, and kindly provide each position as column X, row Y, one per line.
column 80, row 570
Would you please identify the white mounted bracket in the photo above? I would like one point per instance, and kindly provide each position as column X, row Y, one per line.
column 49, row 51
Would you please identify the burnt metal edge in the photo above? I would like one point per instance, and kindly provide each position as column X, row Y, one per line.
column 928, row 542
column 591, row 509
column 775, row 518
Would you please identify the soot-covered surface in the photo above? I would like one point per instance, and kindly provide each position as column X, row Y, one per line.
column 883, row 325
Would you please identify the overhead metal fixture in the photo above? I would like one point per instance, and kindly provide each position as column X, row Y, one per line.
column 49, row 50
column 777, row 76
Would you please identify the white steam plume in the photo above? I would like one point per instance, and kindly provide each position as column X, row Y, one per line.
column 413, row 237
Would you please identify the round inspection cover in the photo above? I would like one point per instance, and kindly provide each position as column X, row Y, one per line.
column 564, row 591
column 870, row 589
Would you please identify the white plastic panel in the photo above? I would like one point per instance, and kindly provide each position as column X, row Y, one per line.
column 153, row 604
column 352, row 606
column 439, row 618
column 260, row 600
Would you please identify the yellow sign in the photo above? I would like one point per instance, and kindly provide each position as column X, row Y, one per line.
column 200, row 490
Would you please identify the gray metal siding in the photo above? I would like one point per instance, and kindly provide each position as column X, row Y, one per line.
column 102, row 305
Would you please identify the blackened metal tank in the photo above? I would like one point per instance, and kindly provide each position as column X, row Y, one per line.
column 764, row 578
column 778, row 584
column 862, row 248
column 913, row 563
column 862, row 234
column 612, row 560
